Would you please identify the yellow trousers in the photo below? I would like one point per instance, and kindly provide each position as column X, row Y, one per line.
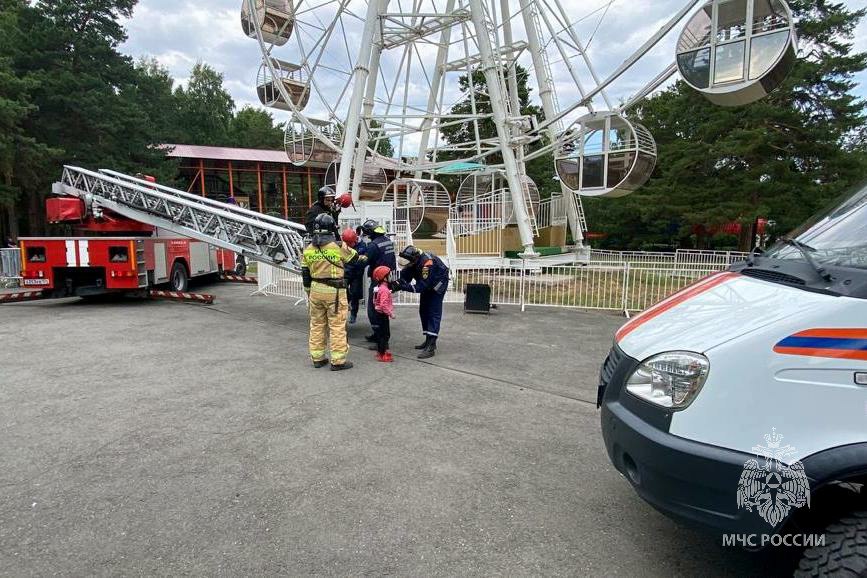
column 326, row 325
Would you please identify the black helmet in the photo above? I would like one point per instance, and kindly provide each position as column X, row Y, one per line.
column 369, row 227
column 325, row 192
column 324, row 223
column 410, row 253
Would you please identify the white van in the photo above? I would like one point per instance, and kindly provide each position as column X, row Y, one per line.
column 740, row 403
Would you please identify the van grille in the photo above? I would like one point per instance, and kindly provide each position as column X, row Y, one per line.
column 615, row 356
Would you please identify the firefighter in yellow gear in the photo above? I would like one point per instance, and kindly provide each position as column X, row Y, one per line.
column 322, row 268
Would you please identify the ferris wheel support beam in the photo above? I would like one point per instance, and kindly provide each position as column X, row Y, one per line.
column 361, row 74
column 501, row 121
column 367, row 113
column 512, row 78
column 433, row 96
column 549, row 108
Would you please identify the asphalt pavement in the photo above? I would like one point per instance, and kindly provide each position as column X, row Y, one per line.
column 166, row 438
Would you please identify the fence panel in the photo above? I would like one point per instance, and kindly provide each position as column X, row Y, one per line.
column 575, row 286
column 648, row 285
column 709, row 258
column 610, row 285
column 10, row 266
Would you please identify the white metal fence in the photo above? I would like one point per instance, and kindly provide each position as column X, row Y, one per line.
column 552, row 212
column 623, row 285
column 10, row 267
column 680, row 257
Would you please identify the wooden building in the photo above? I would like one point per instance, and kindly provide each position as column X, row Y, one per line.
column 262, row 180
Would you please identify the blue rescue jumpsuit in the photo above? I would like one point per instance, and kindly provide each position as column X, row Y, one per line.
column 429, row 277
column 354, row 274
column 380, row 251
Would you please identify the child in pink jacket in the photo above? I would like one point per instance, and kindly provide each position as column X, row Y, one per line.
column 384, row 307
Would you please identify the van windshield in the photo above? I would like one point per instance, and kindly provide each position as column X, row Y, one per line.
column 835, row 236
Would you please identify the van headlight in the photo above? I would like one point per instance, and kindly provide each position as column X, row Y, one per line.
column 672, row 379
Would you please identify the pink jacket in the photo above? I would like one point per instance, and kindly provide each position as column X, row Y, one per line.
column 382, row 301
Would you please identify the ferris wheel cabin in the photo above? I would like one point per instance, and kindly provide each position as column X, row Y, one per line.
column 303, row 145
column 736, row 52
column 274, row 18
column 374, row 179
column 605, row 155
column 424, row 204
column 281, row 83
column 485, row 195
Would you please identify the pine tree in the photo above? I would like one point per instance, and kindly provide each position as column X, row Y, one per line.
column 205, row 107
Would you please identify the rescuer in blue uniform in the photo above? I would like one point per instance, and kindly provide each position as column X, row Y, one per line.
column 355, row 273
column 380, row 251
column 427, row 275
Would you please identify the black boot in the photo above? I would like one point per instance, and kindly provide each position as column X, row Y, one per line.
column 346, row 365
column 430, row 350
column 425, row 344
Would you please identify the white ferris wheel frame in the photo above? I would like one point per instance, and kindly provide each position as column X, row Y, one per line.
column 481, row 29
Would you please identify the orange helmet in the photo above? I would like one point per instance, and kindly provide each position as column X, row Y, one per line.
column 349, row 237
column 380, row 273
column 344, row 200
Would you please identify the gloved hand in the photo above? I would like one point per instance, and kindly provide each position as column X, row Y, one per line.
column 394, row 286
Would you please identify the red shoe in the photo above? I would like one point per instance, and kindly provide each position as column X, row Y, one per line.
column 385, row 357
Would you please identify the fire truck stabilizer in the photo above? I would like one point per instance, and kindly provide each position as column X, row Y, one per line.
column 21, row 296
column 232, row 278
column 181, row 296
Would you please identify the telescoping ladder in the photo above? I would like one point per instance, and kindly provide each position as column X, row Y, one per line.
column 259, row 237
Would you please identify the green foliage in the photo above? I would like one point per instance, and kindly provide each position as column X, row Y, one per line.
column 205, row 107
column 781, row 158
column 67, row 96
column 254, row 128
column 382, row 146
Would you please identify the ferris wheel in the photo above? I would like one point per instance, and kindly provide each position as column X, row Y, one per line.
column 438, row 80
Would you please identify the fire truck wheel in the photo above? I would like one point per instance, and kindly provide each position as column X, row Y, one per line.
column 179, row 280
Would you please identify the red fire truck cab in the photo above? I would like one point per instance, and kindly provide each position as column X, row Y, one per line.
column 112, row 254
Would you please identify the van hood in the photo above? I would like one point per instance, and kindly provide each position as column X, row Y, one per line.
column 713, row 311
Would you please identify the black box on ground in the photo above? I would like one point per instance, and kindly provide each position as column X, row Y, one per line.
column 478, row 298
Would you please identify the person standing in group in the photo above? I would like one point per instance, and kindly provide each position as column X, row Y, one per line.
column 384, row 307
column 323, row 265
column 355, row 273
column 380, row 252
column 427, row 275
column 327, row 203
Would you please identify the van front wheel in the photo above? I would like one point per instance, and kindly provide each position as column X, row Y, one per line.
column 844, row 552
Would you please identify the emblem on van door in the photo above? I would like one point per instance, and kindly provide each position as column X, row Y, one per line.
column 769, row 485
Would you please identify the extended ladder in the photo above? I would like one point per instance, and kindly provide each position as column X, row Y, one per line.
column 259, row 237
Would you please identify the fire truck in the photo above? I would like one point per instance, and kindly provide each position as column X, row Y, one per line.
column 132, row 234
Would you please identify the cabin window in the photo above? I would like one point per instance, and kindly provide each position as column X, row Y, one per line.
column 36, row 254
column 118, row 254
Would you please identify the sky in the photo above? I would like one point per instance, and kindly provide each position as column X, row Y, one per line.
column 178, row 34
